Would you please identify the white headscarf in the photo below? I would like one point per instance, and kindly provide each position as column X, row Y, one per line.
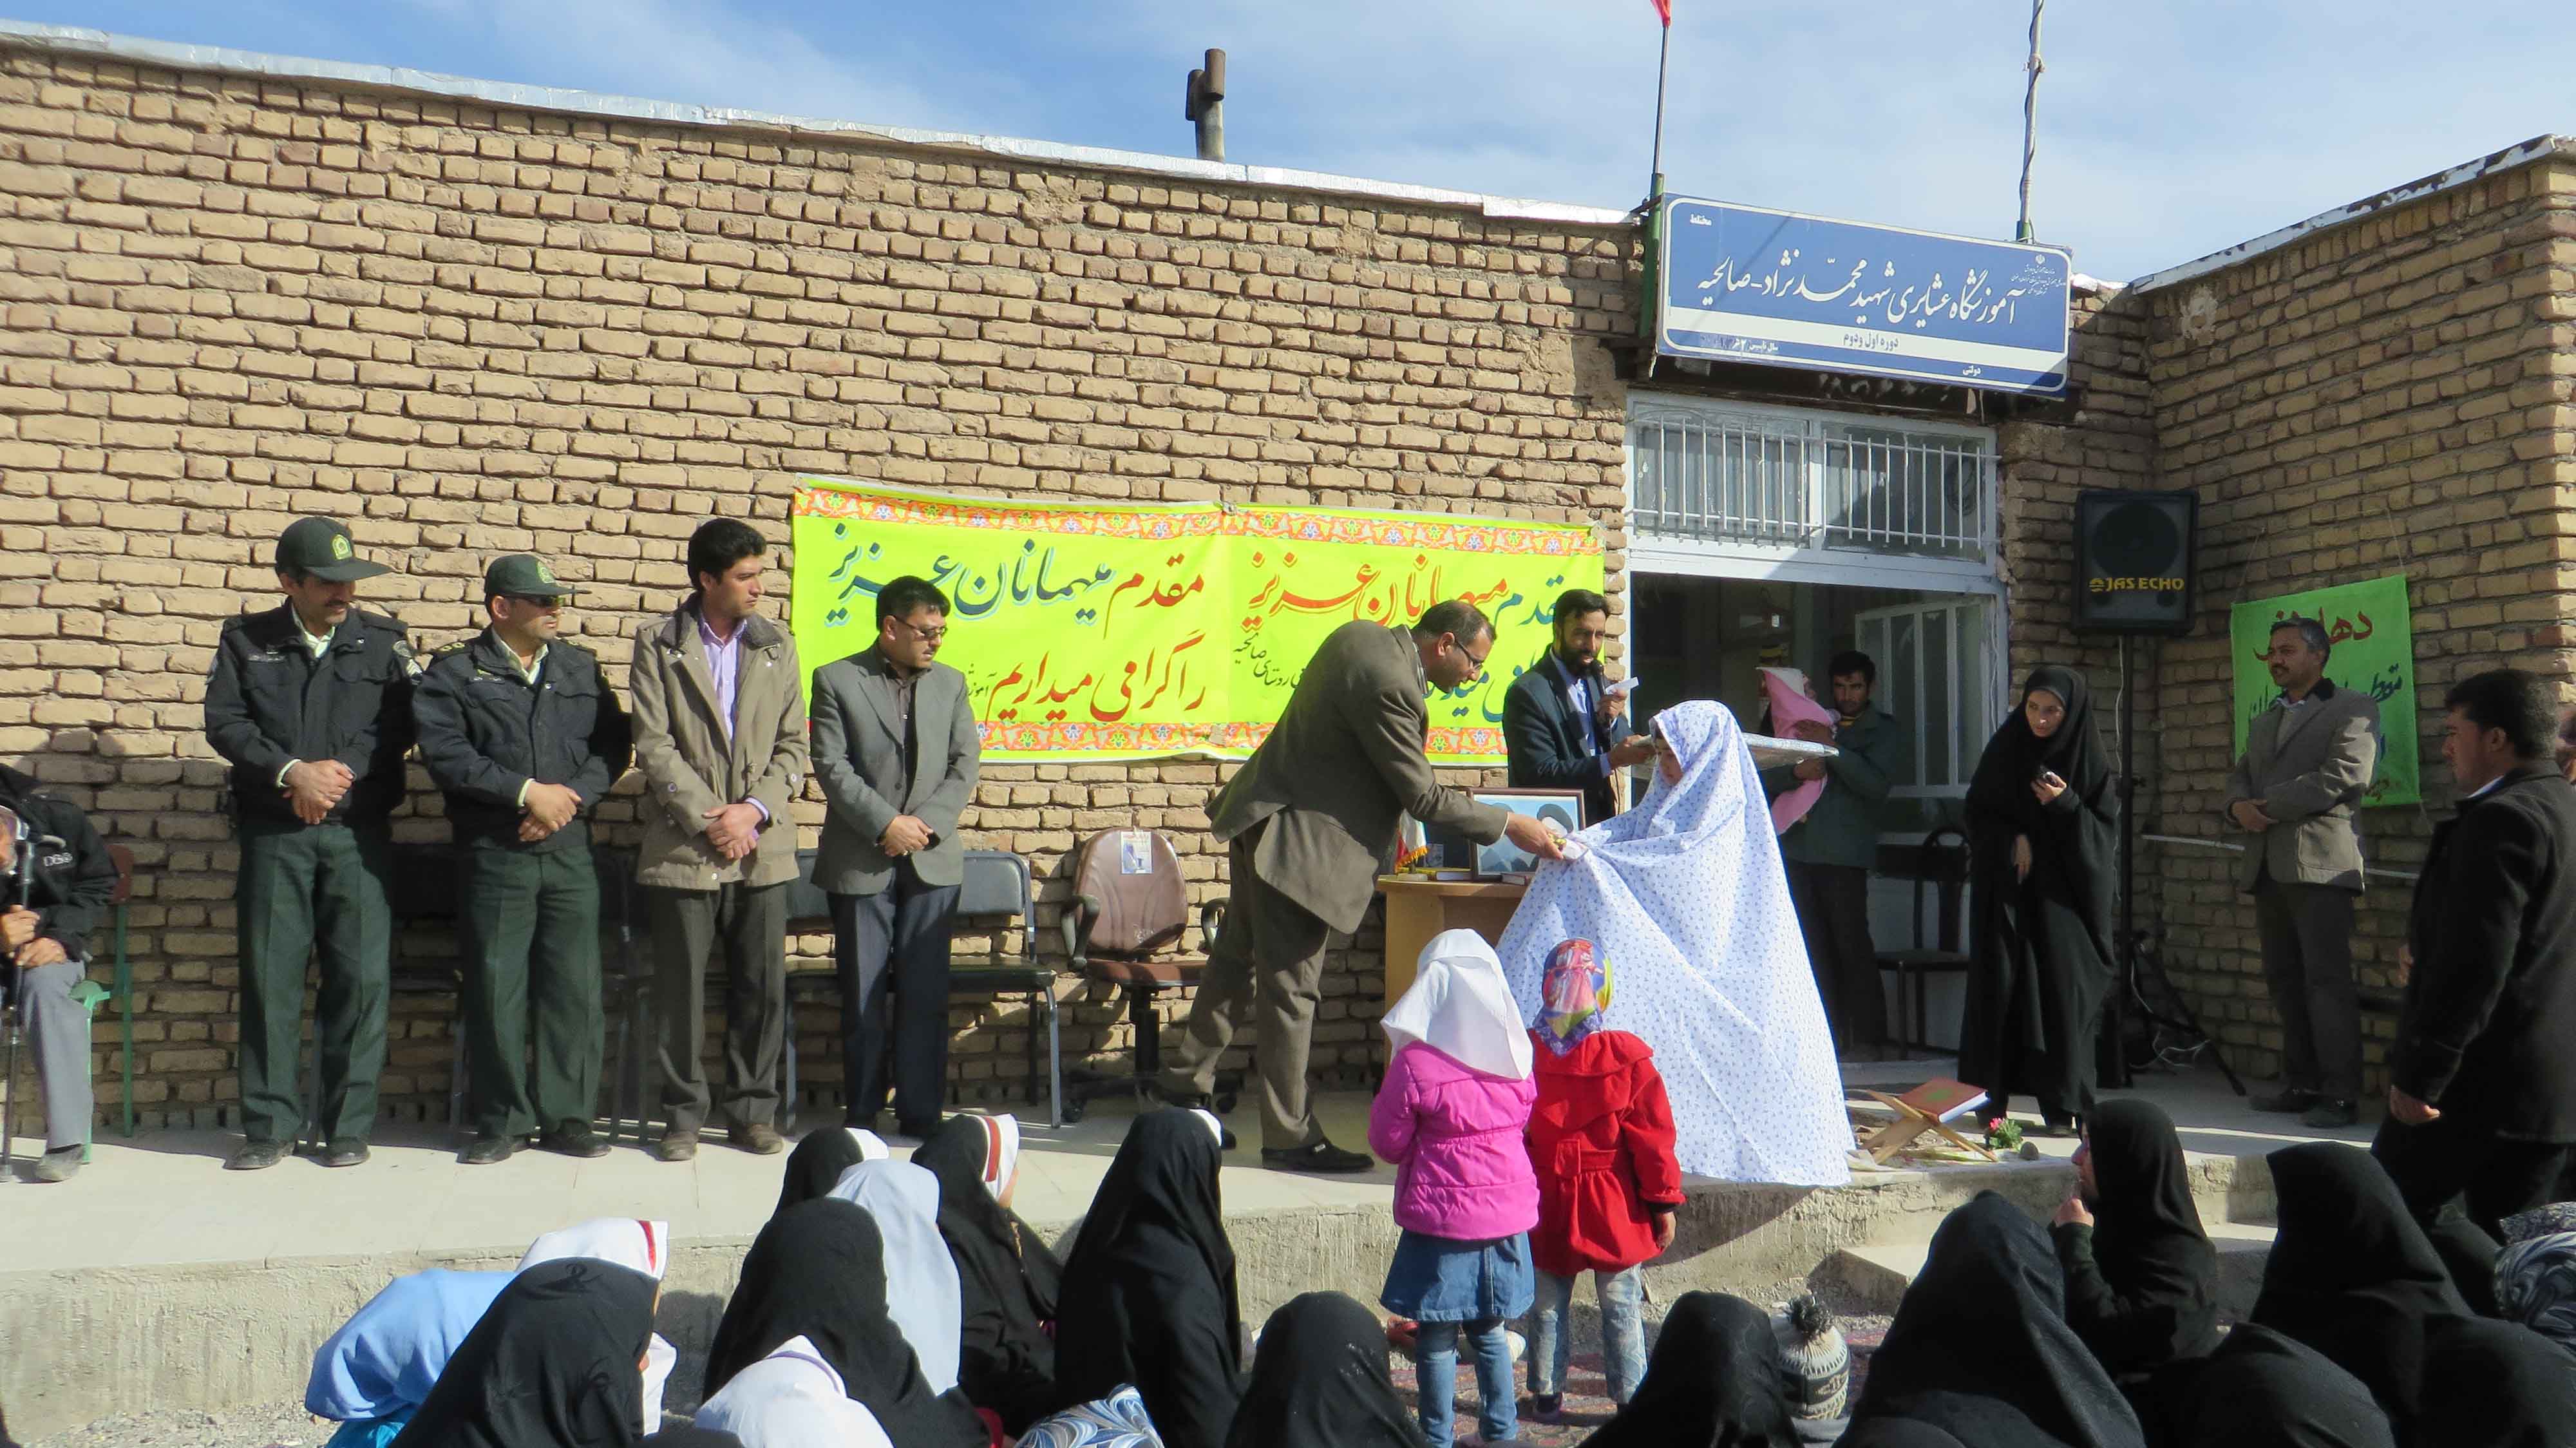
column 791, row 1399
column 1001, row 1154
column 1461, row 1006
column 625, row 1241
column 871, row 1146
column 1216, row 1128
column 1685, row 896
column 921, row 1278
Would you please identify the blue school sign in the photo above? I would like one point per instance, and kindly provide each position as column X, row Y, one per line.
column 1745, row 285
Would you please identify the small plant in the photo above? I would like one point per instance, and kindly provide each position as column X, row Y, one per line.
column 2003, row 1134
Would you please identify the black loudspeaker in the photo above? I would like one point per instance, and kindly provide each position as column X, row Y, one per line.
column 2133, row 569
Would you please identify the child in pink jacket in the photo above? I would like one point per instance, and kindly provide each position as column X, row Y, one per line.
column 1451, row 1116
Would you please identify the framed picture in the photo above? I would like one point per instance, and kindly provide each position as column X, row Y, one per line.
column 1560, row 807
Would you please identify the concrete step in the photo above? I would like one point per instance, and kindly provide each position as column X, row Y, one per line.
column 1873, row 1277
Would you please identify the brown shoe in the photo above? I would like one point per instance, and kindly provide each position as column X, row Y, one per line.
column 677, row 1146
column 759, row 1138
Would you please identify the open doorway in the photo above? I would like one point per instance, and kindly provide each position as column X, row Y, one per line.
column 1939, row 658
column 1703, row 638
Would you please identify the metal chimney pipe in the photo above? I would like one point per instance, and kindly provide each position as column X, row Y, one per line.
column 1204, row 104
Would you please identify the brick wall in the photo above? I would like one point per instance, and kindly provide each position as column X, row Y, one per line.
column 469, row 331
column 2391, row 394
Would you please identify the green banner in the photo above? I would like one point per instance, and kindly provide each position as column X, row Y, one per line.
column 1134, row 631
column 2374, row 652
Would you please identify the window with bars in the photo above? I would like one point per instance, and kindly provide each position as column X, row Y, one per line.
column 1706, row 471
column 1937, row 673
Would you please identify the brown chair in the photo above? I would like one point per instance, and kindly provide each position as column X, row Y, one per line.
column 1130, row 906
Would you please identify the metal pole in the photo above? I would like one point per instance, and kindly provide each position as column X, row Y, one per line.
column 2126, row 942
column 1663, row 58
column 2030, row 122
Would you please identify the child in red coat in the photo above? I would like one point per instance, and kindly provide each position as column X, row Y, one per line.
column 1601, row 1138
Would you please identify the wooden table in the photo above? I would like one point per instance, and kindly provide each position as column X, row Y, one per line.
column 1419, row 907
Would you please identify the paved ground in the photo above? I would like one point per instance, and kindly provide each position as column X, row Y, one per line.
column 163, row 1198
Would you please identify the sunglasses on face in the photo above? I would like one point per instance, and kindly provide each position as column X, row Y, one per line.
column 541, row 600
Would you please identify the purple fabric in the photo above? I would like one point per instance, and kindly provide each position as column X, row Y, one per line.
column 1456, row 1136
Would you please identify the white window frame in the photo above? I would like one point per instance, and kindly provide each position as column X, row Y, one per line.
column 1983, row 688
column 1801, row 561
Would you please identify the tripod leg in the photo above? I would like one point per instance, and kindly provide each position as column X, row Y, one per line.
column 9, row 1098
column 2139, row 968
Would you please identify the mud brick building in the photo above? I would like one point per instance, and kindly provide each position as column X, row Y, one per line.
column 473, row 318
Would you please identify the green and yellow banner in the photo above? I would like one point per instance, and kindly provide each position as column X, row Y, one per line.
column 2373, row 638
column 1136, row 631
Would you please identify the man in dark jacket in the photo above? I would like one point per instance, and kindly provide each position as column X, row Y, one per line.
column 62, row 870
column 1562, row 728
column 1830, row 851
column 310, row 703
column 1308, row 823
column 2482, row 1079
column 522, row 734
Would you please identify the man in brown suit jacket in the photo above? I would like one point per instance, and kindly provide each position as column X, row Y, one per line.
column 2308, row 761
column 720, row 734
column 1308, row 822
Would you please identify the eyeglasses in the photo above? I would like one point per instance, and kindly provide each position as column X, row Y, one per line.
column 1477, row 661
column 541, row 600
column 926, row 635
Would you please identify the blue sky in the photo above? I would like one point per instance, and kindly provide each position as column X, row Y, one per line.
column 2168, row 128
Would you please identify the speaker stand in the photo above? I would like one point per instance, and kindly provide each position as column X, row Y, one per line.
column 2135, row 963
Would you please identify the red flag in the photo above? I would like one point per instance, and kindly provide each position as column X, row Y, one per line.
column 1664, row 8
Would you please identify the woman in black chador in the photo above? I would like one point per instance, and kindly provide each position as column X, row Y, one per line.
column 2042, row 835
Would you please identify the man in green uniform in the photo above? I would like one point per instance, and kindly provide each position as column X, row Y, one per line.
column 310, row 702
column 524, row 737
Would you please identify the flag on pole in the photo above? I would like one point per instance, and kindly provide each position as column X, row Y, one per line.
column 1664, row 8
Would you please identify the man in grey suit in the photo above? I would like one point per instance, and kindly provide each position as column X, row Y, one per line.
column 896, row 749
column 2308, row 761
column 1308, row 823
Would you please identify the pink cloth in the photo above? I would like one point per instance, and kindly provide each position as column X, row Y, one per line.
column 1456, row 1136
column 1790, row 707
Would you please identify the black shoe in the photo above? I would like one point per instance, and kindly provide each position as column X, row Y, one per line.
column 572, row 1138
column 489, row 1147
column 1320, row 1156
column 676, row 1146
column 2058, row 1127
column 2331, row 1112
column 1547, row 1407
column 2288, row 1101
column 345, row 1151
column 257, row 1156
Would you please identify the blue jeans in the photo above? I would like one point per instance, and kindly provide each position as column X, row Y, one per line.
column 1435, row 1365
column 1623, row 1333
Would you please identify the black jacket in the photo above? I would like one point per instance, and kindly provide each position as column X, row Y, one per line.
column 2489, row 1016
column 1544, row 738
column 486, row 732
column 269, row 701
column 73, row 886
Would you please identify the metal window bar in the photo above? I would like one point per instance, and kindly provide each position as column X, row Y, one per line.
column 1814, row 485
